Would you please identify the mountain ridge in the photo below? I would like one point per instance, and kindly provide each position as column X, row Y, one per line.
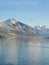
column 13, row 27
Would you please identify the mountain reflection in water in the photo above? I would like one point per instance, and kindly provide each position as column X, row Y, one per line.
column 24, row 51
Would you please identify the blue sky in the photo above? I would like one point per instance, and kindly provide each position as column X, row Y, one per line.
column 31, row 12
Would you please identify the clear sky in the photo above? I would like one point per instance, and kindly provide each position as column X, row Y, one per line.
column 31, row 12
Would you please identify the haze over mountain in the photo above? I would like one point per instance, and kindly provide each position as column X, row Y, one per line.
column 13, row 27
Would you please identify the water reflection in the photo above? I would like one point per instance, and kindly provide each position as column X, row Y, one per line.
column 24, row 51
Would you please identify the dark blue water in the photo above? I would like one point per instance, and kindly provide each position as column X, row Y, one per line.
column 24, row 51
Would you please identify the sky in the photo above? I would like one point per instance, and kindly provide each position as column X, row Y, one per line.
column 31, row 12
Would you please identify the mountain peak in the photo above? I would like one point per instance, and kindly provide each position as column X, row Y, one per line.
column 12, row 20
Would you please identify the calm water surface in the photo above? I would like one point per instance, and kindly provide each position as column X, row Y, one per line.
column 24, row 51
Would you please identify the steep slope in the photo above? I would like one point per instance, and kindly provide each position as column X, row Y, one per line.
column 20, row 26
column 13, row 27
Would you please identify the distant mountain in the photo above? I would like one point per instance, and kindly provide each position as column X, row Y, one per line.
column 42, row 31
column 13, row 27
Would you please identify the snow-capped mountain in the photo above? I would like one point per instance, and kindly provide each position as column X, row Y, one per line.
column 42, row 31
column 19, row 26
column 13, row 27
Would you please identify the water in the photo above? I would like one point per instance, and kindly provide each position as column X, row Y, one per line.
column 24, row 51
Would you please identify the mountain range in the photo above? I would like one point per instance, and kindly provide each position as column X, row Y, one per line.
column 12, row 27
